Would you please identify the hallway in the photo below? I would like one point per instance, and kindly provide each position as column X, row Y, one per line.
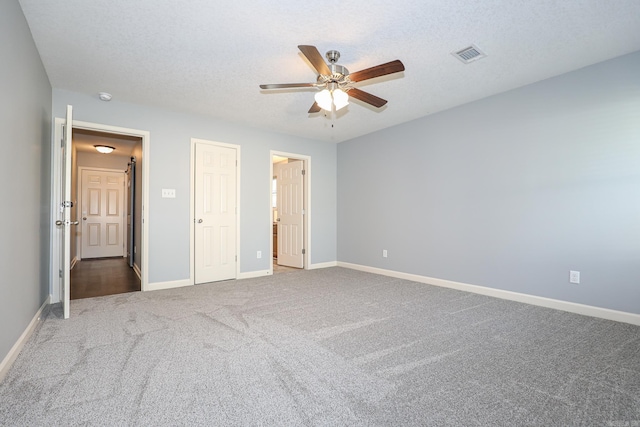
column 102, row 276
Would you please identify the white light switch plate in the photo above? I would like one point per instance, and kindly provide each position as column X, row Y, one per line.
column 168, row 193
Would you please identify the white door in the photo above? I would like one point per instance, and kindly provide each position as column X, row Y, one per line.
column 215, row 213
column 290, row 214
column 102, row 209
column 64, row 223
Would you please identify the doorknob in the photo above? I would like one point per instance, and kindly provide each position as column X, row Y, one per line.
column 200, row 221
column 84, row 218
column 59, row 223
column 74, row 223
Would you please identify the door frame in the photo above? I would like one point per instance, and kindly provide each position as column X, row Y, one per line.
column 123, row 207
column 192, row 203
column 56, row 152
column 306, row 201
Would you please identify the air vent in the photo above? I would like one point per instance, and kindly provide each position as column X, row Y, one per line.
column 469, row 54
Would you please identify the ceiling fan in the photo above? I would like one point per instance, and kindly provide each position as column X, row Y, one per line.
column 336, row 83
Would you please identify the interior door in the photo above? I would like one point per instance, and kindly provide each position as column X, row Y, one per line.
column 64, row 218
column 215, row 213
column 102, row 213
column 290, row 214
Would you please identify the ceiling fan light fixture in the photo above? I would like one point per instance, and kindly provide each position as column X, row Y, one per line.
column 334, row 81
column 323, row 99
column 340, row 99
column 104, row 149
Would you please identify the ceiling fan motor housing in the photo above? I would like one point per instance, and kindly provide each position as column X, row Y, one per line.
column 338, row 72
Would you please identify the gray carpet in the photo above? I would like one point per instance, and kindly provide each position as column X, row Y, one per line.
column 330, row 347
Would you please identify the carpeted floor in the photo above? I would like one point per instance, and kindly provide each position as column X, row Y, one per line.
column 330, row 347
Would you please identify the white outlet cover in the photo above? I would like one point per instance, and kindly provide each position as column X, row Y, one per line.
column 574, row 276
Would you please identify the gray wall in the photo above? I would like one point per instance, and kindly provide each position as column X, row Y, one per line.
column 509, row 192
column 25, row 118
column 169, row 165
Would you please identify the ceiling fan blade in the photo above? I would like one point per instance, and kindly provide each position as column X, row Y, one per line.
column 316, row 59
column 315, row 108
column 377, row 71
column 287, row 85
column 366, row 97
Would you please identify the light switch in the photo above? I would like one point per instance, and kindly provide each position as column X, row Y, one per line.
column 168, row 193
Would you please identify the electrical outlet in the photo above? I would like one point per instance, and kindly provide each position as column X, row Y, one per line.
column 574, row 276
column 384, row 253
column 259, row 254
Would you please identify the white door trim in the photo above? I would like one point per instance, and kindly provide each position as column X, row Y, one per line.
column 194, row 141
column 307, row 205
column 54, row 280
column 124, row 203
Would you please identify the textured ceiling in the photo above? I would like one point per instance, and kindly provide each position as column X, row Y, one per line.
column 208, row 57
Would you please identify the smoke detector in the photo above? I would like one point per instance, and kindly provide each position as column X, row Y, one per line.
column 104, row 96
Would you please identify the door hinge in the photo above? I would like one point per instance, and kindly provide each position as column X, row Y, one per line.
column 236, row 258
column 60, row 274
column 304, row 251
column 303, row 212
column 304, row 172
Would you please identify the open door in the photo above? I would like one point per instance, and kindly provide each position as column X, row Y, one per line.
column 64, row 218
column 290, row 214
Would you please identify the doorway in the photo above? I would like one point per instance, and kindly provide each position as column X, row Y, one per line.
column 290, row 211
column 107, row 199
column 93, row 274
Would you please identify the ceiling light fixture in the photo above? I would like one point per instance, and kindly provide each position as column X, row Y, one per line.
column 326, row 99
column 104, row 96
column 323, row 98
column 104, row 149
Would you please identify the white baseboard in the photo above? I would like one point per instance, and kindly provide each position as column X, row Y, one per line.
column 17, row 347
column 261, row 273
column 587, row 310
column 136, row 269
column 323, row 265
column 252, row 274
column 168, row 285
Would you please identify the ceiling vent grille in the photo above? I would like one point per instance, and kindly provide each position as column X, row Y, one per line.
column 469, row 54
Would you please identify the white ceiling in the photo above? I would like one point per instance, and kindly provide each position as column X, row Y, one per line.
column 208, row 57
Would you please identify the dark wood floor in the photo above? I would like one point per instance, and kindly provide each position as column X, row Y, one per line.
column 103, row 276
